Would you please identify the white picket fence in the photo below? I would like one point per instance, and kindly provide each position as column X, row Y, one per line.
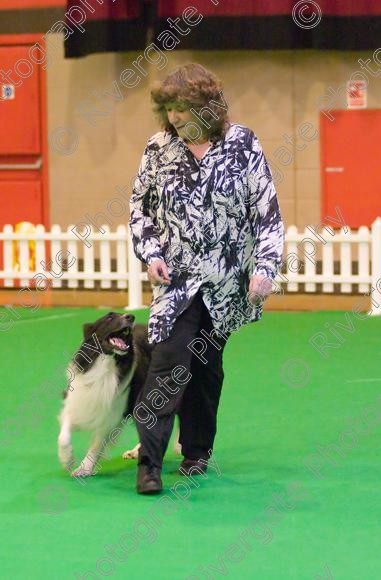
column 107, row 261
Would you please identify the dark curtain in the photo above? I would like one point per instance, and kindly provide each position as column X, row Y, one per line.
column 227, row 24
column 268, row 24
column 113, row 26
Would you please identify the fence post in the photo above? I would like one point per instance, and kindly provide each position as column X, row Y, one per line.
column 73, row 249
column 8, row 257
column 376, row 265
column 135, row 283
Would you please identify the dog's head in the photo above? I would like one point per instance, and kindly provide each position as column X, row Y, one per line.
column 113, row 331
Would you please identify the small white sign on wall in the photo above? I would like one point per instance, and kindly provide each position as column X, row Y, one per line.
column 357, row 95
column 7, row 92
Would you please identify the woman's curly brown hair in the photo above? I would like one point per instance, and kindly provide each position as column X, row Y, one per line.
column 195, row 86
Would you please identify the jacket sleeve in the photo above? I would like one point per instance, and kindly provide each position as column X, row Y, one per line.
column 143, row 208
column 266, row 221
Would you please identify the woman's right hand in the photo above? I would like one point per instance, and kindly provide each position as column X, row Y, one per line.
column 158, row 273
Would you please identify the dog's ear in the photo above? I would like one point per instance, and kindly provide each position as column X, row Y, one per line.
column 88, row 330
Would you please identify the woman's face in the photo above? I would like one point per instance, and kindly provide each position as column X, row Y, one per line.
column 179, row 115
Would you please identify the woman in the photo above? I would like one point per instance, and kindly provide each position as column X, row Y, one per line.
column 206, row 221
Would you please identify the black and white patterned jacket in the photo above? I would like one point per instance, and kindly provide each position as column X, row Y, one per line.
column 214, row 221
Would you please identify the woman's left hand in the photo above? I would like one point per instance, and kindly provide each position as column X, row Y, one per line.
column 259, row 288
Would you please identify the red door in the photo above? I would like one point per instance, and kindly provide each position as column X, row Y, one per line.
column 23, row 171
column 350, row 165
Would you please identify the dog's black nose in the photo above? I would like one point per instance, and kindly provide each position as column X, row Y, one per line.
column 129, row 317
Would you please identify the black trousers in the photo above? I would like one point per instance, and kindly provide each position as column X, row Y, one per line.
column 185, row 377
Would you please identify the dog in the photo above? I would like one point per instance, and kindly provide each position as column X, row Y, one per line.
column 106, row 375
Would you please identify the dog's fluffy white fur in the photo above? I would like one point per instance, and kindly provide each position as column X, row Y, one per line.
column 95, row 402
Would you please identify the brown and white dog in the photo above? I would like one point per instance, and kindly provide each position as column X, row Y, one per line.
column 106, row 374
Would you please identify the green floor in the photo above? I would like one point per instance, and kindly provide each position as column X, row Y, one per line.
column 54, row 528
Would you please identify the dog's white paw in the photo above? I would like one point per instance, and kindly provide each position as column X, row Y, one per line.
column 82, row 472
column 132, row 453
column 65, row 455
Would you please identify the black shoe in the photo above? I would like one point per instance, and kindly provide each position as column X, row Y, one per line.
column 148, row 479
column 187, row 464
